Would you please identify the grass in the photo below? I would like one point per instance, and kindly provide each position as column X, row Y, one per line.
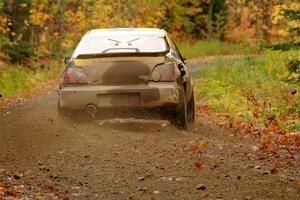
column 15, row 79
column 213, row 47
column 252, row 89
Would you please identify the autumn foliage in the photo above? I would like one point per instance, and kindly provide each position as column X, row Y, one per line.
column 49, row 28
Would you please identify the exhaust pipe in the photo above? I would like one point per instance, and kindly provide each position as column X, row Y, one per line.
column 91, row 110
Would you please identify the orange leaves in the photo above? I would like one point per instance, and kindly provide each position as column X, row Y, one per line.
column 282, row 139
column 252, row 21
column 194, row 148
column 198, row 166
column 39, row 18
column 273, row 125
column 1, row 188
column 274, row 171
column 199, row 148
column 3, row 21
column 203, row 144
column 272, row 135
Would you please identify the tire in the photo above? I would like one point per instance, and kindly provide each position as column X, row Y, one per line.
column 191, row 108
column 182, row 114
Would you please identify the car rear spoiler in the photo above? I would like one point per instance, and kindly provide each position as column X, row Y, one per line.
column 122, row 54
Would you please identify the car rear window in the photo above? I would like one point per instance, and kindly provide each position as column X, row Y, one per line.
column 121, row 43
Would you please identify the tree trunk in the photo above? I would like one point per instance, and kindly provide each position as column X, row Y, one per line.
column 61, row 22
column 61, row 18
column 210, row 19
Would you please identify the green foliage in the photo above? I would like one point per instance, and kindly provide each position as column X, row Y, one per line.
column 18, row 51
column 295, row 126
column 251, row 89
column 292, row 14
column 16, row 40
column 16, row 79
column 211, row 47
column 294, row 68
column 286, row 46
column 293, row 65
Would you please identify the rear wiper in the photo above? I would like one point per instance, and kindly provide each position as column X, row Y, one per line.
column 129, row 42
column 112, row 49
column 114, row 40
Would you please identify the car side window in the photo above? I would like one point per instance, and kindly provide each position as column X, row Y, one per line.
column 178, row 52
column 174, row 51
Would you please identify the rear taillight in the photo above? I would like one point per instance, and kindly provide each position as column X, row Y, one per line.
column 164, row 72
column 75, row 75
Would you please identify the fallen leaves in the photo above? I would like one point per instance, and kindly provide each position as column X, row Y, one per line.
column 273, row 125
column 199, row 148
column 272, row 135
column 194, row 148
column 1, row 188
column 198, row 166
column 12, row 186
column 203, row 144
column 211, row 157
column 274, row 170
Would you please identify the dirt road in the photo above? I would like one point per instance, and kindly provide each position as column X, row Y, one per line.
column 43, row 157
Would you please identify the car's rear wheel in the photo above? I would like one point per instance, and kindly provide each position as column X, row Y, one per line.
column 182, row 115
column 191, row 108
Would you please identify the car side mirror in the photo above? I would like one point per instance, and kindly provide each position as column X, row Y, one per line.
column 181, row 69
column 168, row 57
column 67, row 59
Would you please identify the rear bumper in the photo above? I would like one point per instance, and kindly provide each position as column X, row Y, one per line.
column 150, row 95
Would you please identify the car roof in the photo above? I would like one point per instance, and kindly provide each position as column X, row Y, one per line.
column 138, row 31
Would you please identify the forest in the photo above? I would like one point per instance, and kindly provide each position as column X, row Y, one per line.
column 49, row 28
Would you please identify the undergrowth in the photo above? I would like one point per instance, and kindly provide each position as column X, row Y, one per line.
column 15, row 79
column 213, row 47
column 253, row 90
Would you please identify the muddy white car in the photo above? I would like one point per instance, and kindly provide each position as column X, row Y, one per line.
column 131, row 68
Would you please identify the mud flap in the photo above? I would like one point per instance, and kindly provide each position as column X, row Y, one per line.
column 191, row 108
column 182, row 117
